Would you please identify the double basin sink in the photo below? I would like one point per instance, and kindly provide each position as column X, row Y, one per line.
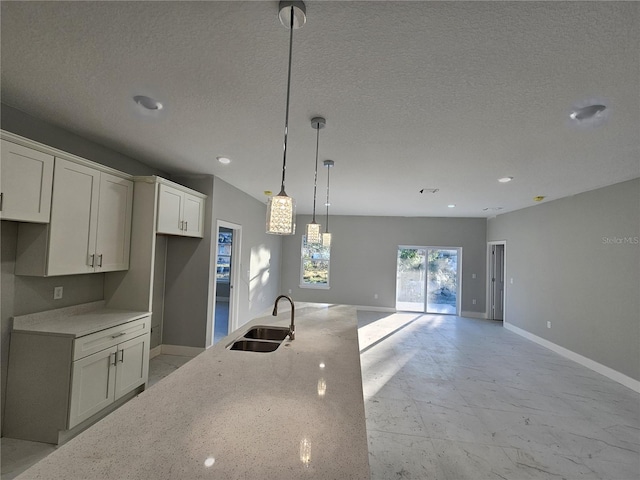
column 261, row 339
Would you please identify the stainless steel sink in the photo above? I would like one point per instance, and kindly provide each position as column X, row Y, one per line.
column 268, row 333
column 255, row 346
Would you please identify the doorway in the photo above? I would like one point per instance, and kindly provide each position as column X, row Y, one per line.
column 227, row 263
column 497, row 278
column 428, row 279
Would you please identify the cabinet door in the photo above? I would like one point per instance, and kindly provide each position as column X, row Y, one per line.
column 26, row 177
column 193, row 216
column 170, row 210
column 113, row 236
column 74, row 205
column 92, row 385
column 133, row 364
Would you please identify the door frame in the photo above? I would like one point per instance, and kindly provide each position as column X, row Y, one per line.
column 234, row 276
column 490, row 272
column 458, row 275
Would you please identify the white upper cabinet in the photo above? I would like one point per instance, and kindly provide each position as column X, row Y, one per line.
column 90, row 229
column 90, row 220
column 180, row 211
column 25, row 183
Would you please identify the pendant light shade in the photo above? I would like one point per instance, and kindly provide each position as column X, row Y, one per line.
column 312, row 232
column 326, row 236
column 281, row 215
column 281, row 209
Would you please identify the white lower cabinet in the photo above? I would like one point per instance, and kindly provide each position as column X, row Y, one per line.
column 103, row 377
column 55, row 382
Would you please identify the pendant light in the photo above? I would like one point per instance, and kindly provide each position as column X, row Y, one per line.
column 326, row 236
column 312, row 231
column 281, row 209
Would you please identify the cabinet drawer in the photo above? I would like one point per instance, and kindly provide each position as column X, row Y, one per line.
column 95, row 342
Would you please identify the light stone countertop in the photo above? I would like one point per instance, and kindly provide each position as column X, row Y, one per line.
column 239, row 415
column 75, row 321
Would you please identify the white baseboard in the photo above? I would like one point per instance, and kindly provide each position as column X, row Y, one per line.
column 180, row 350
column 614, row 375
column 155, row 351
column 482, row 315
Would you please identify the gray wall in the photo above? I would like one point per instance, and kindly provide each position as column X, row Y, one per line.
column 189, row 270
column 22, row 295
column 571, row 265
column 259, row 255
column 20, row 123
column 364, row 252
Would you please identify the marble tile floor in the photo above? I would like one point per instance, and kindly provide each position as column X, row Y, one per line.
column 18, row 455
column 452, row 398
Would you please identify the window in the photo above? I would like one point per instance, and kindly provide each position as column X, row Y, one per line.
column 314, row 265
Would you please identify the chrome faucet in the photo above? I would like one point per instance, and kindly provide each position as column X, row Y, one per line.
column 292, row 327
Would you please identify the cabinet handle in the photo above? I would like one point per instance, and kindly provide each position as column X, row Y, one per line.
column 121, row 356
column 115, row 359
column 118, row 334
column 91, row 259
column 180, row 225
column 100, row 260
column 1, row 200
column 186, row 226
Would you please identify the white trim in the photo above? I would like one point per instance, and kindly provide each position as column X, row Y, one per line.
column 155, row 351
column 489, row 288
column 576, row 357
column 482, row 315
column 181, row 350
column 317, row 286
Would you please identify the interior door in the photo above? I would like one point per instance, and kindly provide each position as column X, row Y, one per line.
column 497, row 282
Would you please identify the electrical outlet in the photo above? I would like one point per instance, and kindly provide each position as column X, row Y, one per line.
column 473, row 275
column 289, row 291
column 548, row 324
column 375, row 295
column 57, row 293
column 511, row 281
column 473, row 301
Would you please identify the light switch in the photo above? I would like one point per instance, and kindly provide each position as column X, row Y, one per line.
column 57, row 293
column 473, row 275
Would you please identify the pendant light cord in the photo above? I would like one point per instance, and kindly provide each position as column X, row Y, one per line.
column 327, row 222
column 286, row 119
column 315, row 178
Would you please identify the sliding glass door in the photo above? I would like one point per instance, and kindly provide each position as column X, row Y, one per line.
column 427, row 279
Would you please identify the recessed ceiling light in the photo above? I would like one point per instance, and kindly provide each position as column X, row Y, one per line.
column 451, row 205
column 147, row 103
column 224, row 160
column 505, row 179
column 588, row 112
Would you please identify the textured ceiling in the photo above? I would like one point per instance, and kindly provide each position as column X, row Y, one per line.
column 447, row 95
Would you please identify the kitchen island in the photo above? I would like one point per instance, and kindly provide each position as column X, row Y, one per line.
column 297, row 412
